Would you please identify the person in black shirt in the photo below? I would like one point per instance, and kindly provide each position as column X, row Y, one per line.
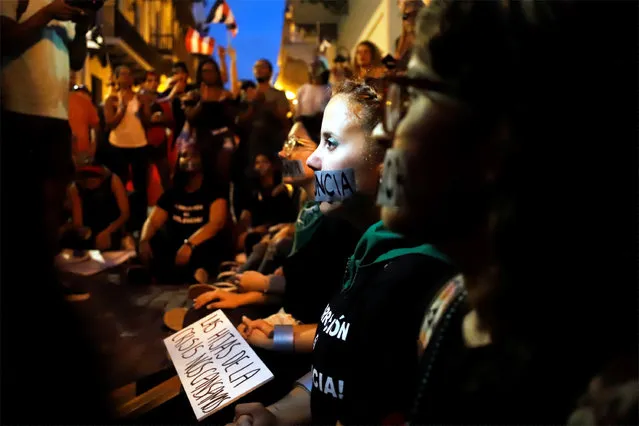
column 364, row 347
column 98, row 202
column 210, row 112
column 187, row 229
column 268, row 203
column 493, row 116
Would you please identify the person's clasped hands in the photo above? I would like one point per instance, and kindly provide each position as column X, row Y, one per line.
column 253, row 414
column 257, row 332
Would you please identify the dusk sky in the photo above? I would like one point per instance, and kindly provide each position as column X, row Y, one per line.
column 260, row 32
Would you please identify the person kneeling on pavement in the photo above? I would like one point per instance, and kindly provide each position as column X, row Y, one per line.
column 187, row 229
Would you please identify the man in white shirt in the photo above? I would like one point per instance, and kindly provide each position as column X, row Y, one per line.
column 41, row 42
column 40, row 47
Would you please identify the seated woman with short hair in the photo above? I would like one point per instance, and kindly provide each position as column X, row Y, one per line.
column 187, row 229
column 270, row 252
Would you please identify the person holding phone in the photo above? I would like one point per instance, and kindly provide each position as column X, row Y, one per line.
column 178, row 86
column 41, row 42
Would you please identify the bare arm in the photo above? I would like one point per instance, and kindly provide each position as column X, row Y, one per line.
column 304, row 337
column 217, row 219
column 224, row 75
column 294, row 408
column 113, row 112
column 258, row 298
column 78, row 46
column 123, row 204
column 153, row 223
column 235, row 87
column 16, row 37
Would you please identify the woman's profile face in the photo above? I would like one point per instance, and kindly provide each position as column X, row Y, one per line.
column 363, row 55
column 345, row 144
column 442, row 171
column 303, row 149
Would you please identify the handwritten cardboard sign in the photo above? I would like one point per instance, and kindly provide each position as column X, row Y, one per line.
column 334, row 185
column 292, row 168
column 215, row 364
column 392, row 190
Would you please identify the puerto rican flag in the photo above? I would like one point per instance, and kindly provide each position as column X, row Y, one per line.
column 198, row 44
column 221, row 13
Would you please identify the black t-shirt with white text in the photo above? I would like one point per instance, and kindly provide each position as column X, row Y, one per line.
column 188, row 211
column 365, row 359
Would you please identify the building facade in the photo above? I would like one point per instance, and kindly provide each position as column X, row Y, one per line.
column 343, row 23
column 142, row 34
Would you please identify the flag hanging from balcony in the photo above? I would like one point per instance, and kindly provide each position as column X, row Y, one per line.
column 221, row 13
column 197, row 44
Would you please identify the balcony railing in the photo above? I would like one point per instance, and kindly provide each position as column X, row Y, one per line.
column 116, row 28
column 163, row 43
column 308, row 33
column 338, row 7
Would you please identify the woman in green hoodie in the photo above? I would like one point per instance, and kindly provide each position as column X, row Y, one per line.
column 365, row 346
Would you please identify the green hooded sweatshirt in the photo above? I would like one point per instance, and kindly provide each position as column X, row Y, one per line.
column 379, row 245
column 307, row 223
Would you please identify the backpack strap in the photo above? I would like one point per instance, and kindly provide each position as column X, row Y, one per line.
column 437, row 308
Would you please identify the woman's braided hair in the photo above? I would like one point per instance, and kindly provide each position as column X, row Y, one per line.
column 369, row 111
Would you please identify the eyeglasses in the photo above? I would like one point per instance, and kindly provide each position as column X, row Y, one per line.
column 397, row 100
column 295, row 142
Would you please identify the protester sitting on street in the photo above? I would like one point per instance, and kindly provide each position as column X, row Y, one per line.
column 314, row 233
column 323, row 243
column 268, row 203
column 302, row 141
column 99, row 209
column 187, row 229
column 276, row 245
column 378, row 296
